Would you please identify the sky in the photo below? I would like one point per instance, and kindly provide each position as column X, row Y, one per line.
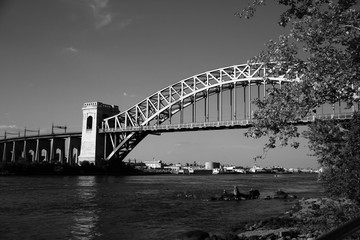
column 57, row 55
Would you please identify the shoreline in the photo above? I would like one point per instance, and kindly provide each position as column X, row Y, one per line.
column 308, row 219
column 56, row 169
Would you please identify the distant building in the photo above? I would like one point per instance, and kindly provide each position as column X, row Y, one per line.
column 239, row 170
column 172, row 168
column 256, row 169
column 294, row 170
column 212, row 165
column 229, row 169
column 155, row 164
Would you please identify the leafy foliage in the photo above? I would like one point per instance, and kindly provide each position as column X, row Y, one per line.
column 321, row 54
column 336, row 146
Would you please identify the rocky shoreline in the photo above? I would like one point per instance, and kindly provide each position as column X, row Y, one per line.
column 307, row 220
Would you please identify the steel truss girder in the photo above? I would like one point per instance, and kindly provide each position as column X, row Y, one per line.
column 127, row 142
column 172, row 99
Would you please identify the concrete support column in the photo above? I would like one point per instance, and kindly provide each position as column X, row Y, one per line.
column 69, row 151
column 57, row 143
column 24, row 151
column 52, row 151
column 2, row 150
column 30, row 145
column 8, row 146
column 73, row 143
column 17, row 149
column 37, row 151
column 13, row 151
column 43, row 144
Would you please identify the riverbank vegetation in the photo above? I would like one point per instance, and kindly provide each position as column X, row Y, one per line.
column 321, row 55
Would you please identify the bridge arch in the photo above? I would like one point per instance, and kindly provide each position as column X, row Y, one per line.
column 126, row 129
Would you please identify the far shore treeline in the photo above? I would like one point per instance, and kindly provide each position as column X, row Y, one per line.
column 47, row 168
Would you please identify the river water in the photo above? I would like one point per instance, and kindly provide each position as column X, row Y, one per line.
column 138, row 207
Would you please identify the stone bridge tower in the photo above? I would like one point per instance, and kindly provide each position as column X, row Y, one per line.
column 92, row 143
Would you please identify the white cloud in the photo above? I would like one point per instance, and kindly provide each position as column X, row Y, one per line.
column 8, row 126
column 124, row 23
column 102, row 16
column 71, row 49
column 103, row 20
column 125, row 94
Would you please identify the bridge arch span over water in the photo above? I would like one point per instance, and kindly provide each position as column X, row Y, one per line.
column 204, row 99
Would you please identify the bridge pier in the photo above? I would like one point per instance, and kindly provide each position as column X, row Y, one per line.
column 42, row 144
column 24, row 153
column 29, row 145
column 17, row 149
column 92, row 143
column 73, row 150
column 3, row 151
column 7, row 151
column 6, row 157
column 57, row 143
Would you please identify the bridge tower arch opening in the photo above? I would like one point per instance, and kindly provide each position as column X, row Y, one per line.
column 89, row 122
column 30, row 155
column 92, row 142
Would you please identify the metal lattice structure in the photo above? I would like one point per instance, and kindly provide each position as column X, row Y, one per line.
column 126, row 129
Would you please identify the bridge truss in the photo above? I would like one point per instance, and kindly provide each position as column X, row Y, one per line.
column 243, row 83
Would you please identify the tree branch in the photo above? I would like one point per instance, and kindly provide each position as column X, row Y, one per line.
column 351, row 26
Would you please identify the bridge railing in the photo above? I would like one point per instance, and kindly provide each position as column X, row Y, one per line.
column 219, row 124
column 42, row 136
column 338, row 116
column 169, row 127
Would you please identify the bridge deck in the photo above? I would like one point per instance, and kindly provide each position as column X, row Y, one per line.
column 43, row 136
column 231, row 124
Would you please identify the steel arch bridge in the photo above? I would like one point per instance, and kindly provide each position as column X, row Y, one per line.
column 199, row 102
column 155, row 113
